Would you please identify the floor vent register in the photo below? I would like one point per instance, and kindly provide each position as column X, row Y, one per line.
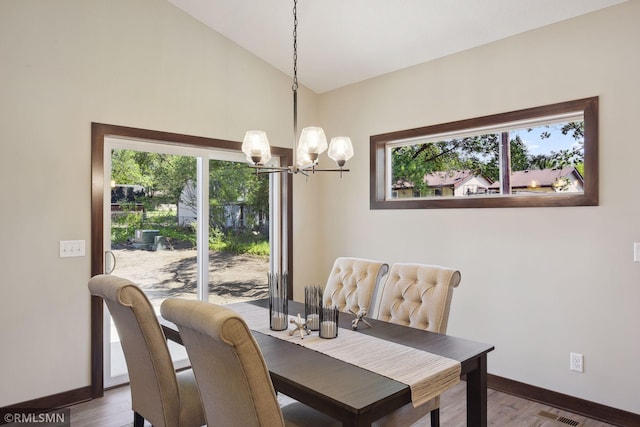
column 559, row 419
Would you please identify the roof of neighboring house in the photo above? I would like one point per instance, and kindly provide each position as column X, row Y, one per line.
column 441, row 179
column 448, row 178
column 402, row 185
column 542, row 177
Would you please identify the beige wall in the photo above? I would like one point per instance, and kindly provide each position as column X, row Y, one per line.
column 66, row 63
column 143, row 63
column 538, row 283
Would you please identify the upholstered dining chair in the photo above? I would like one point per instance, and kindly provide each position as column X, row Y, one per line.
column 158, row 394
column 352, row 284
column 230, row 369
column 419, row 296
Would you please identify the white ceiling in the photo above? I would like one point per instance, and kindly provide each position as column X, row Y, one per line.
column 346, row 41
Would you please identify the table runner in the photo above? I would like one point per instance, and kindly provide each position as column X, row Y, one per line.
column 427, row 374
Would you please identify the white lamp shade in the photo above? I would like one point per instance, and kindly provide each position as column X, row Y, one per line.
column 312, row 140
column 340, row 149
column 256, row 146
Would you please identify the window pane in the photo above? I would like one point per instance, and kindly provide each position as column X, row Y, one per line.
column 547, row 159
column 542, row 156
column 454, row 167
column 153, row 243
column 238, row 232
column 542, row 159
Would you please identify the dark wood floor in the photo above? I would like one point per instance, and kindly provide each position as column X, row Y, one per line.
column 114, row 410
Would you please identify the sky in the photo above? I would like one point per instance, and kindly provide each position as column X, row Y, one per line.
column 556, row 142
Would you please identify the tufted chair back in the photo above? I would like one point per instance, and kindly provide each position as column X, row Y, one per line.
column 418, row 295
column 352, row 283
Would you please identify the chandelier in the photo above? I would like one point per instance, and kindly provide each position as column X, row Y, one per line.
column 312, row 143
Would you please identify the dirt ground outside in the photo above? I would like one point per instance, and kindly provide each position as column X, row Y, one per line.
column 172, row 273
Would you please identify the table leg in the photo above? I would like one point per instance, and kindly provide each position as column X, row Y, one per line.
column 477, row 394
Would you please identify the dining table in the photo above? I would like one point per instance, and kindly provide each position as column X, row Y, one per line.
column 352, row 393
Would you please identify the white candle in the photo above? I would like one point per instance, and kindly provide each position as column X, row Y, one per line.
column 312, row 321
column 328, row 329
column 278, row 321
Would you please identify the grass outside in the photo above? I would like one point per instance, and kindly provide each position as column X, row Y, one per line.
column 125, row 224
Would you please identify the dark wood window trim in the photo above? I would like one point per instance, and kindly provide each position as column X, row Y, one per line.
column 589, row 107
column 99, row 132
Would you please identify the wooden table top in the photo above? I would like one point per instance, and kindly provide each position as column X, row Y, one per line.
column 344, row 391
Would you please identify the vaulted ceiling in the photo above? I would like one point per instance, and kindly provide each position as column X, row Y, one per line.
column 345, row 41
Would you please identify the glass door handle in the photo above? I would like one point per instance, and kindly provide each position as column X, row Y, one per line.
column 109, row 262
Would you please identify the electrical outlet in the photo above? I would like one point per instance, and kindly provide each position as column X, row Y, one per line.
column 576, row 362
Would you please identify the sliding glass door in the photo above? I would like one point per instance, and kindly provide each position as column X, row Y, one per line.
column 181, row 216
column 182, row 222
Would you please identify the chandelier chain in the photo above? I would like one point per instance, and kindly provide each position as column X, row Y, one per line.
column 294, row 88
column 295, row 45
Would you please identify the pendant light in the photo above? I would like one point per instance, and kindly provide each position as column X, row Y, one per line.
column 312, row 143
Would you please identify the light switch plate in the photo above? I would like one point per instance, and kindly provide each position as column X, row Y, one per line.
column 636, row 252
column 72, row 248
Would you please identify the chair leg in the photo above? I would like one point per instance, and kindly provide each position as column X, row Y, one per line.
column 138, row 420
column 435, row 418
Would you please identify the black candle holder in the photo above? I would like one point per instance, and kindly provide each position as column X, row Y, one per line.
column 329, row 322
column 312, row 304
column 278, row 304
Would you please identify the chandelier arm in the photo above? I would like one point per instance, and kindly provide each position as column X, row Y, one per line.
column 304, row 171
column 269, row 169
column 314, row 170
column 263, row 172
